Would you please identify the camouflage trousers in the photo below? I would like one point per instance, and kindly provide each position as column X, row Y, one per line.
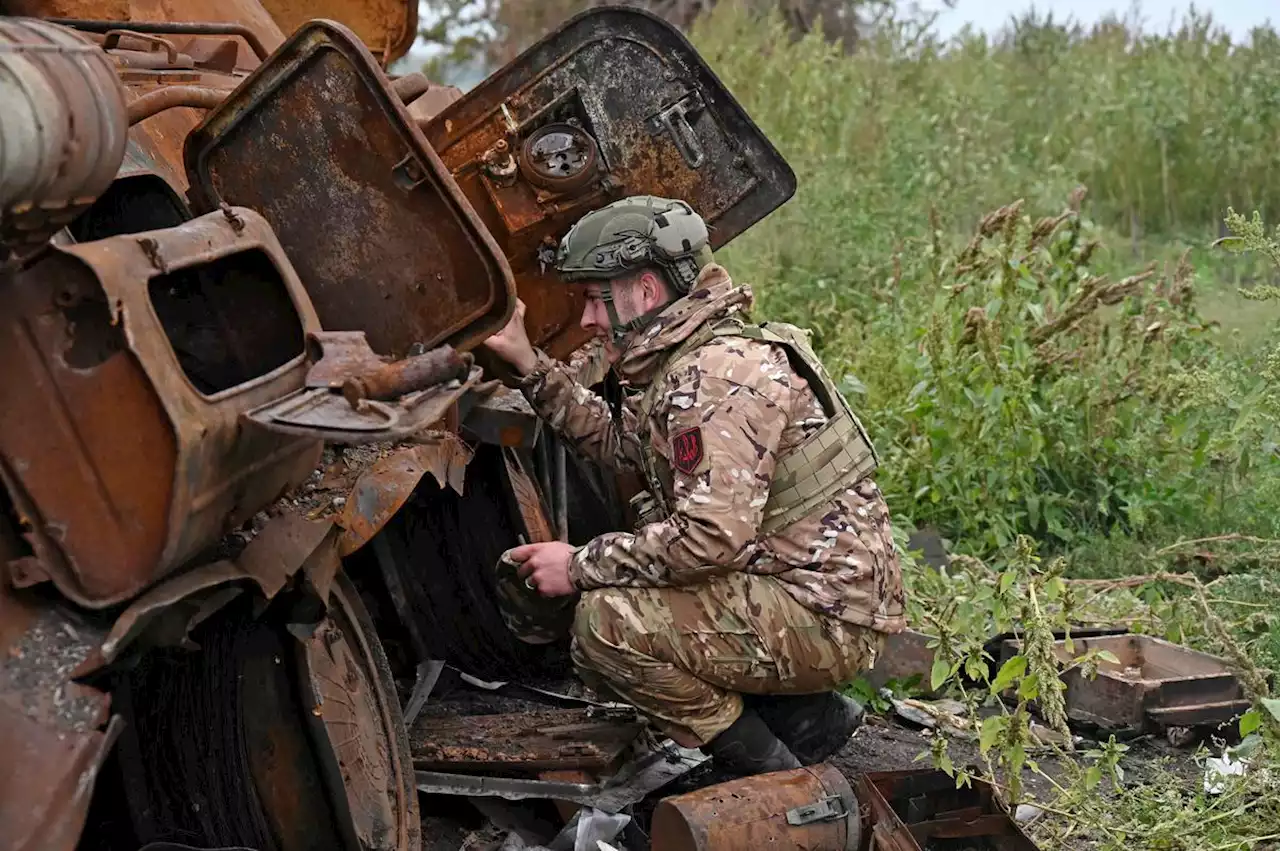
column 685, row 656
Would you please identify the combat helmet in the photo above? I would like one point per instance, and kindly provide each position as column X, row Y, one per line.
column 642, row 230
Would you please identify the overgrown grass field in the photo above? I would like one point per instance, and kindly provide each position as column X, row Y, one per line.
column 1069, row 386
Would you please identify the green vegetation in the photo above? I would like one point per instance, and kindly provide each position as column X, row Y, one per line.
column 1083, row 378
column 1023, row 374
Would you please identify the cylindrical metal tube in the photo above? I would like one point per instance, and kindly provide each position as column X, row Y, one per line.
column 809, row 808
column 417, row 372
column 63, row 132
column 198, row 97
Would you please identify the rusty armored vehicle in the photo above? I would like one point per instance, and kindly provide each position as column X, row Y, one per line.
column 255, row 472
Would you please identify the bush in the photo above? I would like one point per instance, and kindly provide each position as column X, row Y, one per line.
column 1011, row 385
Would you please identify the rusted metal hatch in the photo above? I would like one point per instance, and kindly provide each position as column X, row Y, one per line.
column 316, row 141
column 614, row 103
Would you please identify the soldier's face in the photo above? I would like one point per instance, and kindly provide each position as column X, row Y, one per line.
column 632, row 297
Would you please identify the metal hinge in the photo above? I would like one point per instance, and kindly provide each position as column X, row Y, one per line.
column 823, row 809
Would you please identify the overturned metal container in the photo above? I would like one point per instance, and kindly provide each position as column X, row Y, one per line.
column 809, row 808
column 913, row 810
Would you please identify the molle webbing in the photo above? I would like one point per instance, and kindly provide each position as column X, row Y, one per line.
column 831, row 460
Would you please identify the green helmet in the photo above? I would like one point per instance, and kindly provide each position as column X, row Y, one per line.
column 639, row 231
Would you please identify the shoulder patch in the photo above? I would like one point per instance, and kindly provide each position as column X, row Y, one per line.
column 686, row 450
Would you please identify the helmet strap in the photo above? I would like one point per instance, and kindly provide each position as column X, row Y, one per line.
column 617, row 327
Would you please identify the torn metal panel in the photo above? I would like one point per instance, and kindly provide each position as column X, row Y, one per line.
column 615, row 102
column 377, row 228
column 523, row 741
column 172, row 609
column 384, row 488
column 54, row 733
column 912, row 810
column 130, row 361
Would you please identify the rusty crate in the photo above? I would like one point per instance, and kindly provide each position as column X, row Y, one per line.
column 914, row 810
column 1155, row 684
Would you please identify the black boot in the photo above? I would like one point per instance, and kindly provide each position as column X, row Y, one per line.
column 812, row 726
column 748, row 747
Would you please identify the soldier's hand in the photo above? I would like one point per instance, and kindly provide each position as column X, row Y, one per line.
column 545, row 567
column 512, row 343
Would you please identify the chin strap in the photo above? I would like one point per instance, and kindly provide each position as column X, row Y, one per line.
column 617, row 327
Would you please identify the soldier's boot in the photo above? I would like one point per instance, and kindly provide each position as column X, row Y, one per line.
column 812, row 726
column 750, row 747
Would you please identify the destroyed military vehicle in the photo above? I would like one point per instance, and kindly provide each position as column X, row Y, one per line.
column 255, row 472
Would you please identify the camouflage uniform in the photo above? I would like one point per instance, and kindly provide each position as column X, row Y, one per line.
column 683, row 615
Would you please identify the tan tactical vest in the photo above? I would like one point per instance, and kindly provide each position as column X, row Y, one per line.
column 831, row 460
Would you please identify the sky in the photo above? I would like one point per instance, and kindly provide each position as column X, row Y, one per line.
column 1236, row 16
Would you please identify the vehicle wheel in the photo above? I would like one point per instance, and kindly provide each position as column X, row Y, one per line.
column 287, row 738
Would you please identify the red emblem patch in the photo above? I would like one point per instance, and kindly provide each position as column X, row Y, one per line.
column 686, row 450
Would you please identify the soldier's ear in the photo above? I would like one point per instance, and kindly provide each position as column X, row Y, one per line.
column 653, row 289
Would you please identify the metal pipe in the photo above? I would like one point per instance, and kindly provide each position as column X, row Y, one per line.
column 196, row 97
column 410, row 87
column 170, row 28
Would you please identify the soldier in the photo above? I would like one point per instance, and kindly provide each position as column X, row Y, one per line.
column 763, row 575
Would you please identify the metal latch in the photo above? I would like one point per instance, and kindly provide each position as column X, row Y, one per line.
column 674, row 121
column 830, row 808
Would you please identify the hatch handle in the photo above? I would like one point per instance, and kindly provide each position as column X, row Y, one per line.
column 674, row 121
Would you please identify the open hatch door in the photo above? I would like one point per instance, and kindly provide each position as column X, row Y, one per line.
column 614, row 103
column 316, row 141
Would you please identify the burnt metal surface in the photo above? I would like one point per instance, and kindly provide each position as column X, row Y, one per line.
column 129, row 363
column 379, row 232
column 63, row 134
column 912, row 810
column 387, row 27
column 381, row 490
column 523, row 741
column 626, row 82
column 810, row 808
column 1155, row 684
column 54, row 733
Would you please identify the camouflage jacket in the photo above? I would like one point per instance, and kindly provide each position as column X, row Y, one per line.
column 747, row 406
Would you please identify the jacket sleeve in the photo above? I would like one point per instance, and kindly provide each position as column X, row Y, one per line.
column 722, row 433
column 581, row 416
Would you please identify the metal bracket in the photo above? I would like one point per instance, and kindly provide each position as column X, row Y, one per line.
column 829, row 808
column 674, row 121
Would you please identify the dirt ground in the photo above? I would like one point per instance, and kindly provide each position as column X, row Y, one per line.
column 881, row 744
